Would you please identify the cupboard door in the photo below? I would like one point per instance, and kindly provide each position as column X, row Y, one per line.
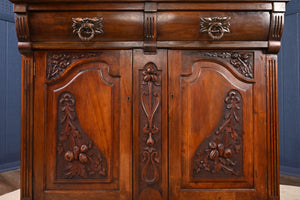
column 83, row 125
column 217, row 132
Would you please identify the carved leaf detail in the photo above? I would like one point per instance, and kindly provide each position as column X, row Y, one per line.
column 57, row 63
column 219, row 155
column 215, row 26
column 243, row 62
column 77, row 155
column 206, row 22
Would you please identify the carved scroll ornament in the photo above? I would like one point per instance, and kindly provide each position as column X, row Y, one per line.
column 242, row 61
column 78, row 157
column 150, row 102
column 221, row 153
column 87, row 28
column 57, row 63
column 215, row 26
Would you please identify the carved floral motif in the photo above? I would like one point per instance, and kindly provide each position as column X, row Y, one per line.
column 150, row 102
column 77, row 156
column 243, row 62
column 215, row 26
column 221, row 153
column 57, row 63
column 87, row 28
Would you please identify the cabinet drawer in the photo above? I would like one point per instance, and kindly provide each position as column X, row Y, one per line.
column 185, row 26
column 117, row 26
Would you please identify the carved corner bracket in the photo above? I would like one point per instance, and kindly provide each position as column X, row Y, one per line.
column 22, row 29
column 220, row 154
column 78, row 157
column 276, row 27
column 241, row 61
column 57, row 63
column 215, row 26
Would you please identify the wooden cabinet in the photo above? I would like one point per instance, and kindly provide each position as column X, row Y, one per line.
column 149, row 100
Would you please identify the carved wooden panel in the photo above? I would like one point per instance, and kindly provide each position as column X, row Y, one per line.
column 221, row 154
column 78, row 157
column 241, row 61
column 83, row 148
column 212, row 133
column 150, row 127
column 150, row 130
column 57, row 63
column 150, row 136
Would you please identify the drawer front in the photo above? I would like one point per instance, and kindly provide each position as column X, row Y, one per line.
column 57, row 26
column 186, row 26
column 171, row 26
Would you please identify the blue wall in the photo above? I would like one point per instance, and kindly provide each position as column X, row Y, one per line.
column 289, row 92
column 10, row 90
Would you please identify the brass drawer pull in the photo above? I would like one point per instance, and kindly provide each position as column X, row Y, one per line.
column 87, row 28
column 215, row 26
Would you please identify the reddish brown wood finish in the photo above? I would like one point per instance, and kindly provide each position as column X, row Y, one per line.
column 27, row 127
column 118, row 26
column 174, row 26
column 138, row 100
column 102, row 90
column 272, row 127
column 150, row 158
column 199, row 85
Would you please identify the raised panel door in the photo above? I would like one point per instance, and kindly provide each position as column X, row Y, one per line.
column 217, row 134
column 82, row 131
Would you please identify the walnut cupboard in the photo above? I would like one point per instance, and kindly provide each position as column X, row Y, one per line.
column 160, row 100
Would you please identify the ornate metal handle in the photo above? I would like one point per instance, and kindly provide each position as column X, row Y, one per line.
column 87, row 28
column 215, row 26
